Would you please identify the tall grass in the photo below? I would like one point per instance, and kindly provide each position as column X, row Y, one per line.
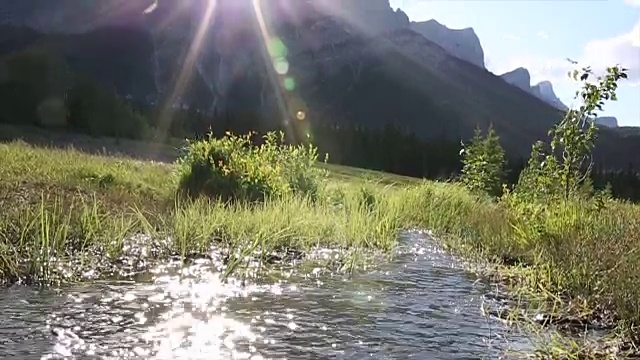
column 571, row 252
column 577, row 248
column 37, row 237
column 79, row 214
column 60, row 215
column 33, row 236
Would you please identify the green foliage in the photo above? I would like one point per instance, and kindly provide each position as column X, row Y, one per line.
column 232, row 168
column 558, row 173
column 39, row 88
column 32, row 86
column 96, row 112
column 483, row 163
column 564, row 171
column 580, row 244
column 539, row 179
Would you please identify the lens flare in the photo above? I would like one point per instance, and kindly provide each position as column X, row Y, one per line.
column 281, row 65
column 289, row 84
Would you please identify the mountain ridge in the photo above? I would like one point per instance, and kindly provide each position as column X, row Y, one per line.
column 521, row 78
column 397, row 76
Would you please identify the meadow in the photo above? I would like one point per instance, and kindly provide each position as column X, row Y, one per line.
column 569, row 251
column 65, row 211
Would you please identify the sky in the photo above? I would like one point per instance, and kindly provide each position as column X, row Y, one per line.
column 541, row 35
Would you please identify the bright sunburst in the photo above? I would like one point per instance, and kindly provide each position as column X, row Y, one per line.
column 259, row 15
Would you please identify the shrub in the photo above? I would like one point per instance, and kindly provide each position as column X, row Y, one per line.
column 232, row 168
column 31, row 82
column 483, row 163
column 563, row 172
column 96, row 112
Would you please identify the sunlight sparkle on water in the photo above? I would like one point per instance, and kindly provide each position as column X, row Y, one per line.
column 192, row 329
column 191, row 313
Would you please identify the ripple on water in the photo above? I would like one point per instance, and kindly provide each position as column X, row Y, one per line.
column 421, row 304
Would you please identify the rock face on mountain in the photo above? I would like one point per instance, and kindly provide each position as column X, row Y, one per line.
column 71, row 15
column 174, row 23
column 519, row 77
column 368, row 16
column 608, row 121
column 463, row 43
column 544, row 90
column 317, row 58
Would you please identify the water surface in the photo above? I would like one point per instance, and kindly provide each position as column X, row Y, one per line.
column 421, row 305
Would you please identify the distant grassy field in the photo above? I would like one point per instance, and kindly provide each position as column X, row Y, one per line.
column 339, row 172
column 142, row 150
column 166, row 153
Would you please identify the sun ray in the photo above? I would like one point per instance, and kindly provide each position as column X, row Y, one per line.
column 151, row 7
column 186, row 70
column 279, row 80
column 274, row 77
column 110, row 10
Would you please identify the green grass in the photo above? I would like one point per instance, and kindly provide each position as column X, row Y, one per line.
column 67, row 205
column 346, row 173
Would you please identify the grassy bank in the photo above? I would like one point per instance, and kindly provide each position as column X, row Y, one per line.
column 65, row 211
column 571, row 248
column 64, row 204
column 569, row 245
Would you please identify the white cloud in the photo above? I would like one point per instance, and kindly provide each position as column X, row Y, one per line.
column 633, row 2
column 540, row 68
column 623, row 50
column 598, row 53
column 543, row 35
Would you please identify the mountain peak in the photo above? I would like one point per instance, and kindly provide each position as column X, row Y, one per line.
column 519, row 77
column 434, row 22
column 544, row 91
column 461, row 43
column 546, row 85
column 608, row 121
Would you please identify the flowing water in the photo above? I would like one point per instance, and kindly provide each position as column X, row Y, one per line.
column 420, row 305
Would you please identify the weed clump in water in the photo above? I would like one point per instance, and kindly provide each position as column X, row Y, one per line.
column 233, row 168
column 276, row 202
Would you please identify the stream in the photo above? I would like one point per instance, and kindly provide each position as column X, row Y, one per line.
column 420, row 305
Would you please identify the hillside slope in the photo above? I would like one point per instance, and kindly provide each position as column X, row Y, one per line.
column 397, row 77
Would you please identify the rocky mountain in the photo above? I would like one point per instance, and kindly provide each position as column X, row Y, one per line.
column 519, row 77
column 462, row 43
column 608, row 121
column 363, row 63
column 543, row 90
column 71, row 16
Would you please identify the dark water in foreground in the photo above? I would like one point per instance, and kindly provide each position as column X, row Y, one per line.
column 421, row 306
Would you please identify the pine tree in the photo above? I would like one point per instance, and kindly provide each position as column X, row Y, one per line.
column 483, row 163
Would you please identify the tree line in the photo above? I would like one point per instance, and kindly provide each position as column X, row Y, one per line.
column 38, row 88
